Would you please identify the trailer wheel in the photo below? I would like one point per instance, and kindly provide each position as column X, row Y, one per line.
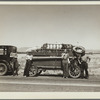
column 74, row 70
column 33, row 70
column 3, row 69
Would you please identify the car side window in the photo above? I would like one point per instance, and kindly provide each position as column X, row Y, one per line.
column 3, row 51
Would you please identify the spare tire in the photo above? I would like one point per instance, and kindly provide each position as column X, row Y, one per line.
column 79, row 49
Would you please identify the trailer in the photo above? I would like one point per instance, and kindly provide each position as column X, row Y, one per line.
column 48, row 57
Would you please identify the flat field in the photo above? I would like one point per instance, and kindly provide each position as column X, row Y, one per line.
column 94, row 65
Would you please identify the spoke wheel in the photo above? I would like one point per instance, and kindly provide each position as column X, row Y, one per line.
column 3, row 69
column 33, row 71
column 74, row 71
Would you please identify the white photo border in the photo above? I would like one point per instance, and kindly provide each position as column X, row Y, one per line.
column 49, row 95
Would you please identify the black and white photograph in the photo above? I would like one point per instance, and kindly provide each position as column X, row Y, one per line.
column 49, row 48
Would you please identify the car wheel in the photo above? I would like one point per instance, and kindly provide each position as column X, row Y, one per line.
column 3, row 69
column 33, row 70
column 74, row 71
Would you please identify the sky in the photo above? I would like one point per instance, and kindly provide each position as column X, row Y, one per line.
column 34, row 25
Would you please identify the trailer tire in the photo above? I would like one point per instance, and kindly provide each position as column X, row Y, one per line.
column 33, row 70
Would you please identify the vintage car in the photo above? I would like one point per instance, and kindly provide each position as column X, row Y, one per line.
column 48, row 57
column 8, row 59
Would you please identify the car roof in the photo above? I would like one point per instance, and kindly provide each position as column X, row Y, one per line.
column 7, row 46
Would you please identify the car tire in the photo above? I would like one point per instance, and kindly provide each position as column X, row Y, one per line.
column 74, row 71
column 3, row 69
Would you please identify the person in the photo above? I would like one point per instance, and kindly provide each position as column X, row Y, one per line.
column 14, row 63
column 65, row 61
column 16, row 67
column 84, row 67
column 82, row 60
column 27, row 67
column 28, row 64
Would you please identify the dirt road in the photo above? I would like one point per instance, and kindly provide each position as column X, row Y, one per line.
column 48, row 84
